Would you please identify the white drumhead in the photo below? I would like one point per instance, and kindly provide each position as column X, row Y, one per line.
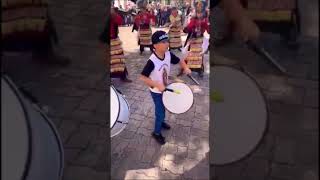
column 178, row 103
column 15, row 135
column 239, row 122
column 114, row 105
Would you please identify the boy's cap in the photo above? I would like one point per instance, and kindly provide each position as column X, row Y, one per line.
column 159, row 36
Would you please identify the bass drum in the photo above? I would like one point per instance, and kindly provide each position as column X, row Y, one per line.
column 120, row 112
column 31, row 147
column 178, row 103
column 240, row 120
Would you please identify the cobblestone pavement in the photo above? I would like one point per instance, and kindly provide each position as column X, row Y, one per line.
column 135, row 154
column 76, row 94
column 76, row 99
column 289, row 150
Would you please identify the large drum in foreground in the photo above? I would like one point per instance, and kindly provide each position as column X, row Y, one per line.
column 180, row 101
column 120, row 111
column 31, row 148
column 240, row 120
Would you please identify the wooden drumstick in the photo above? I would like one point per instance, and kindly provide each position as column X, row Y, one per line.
column 174, row 91
column 193, row 79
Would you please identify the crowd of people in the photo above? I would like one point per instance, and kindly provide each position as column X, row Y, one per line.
column 159, row 11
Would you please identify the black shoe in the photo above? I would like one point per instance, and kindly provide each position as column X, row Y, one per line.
column 159, row 138
column 166, row 126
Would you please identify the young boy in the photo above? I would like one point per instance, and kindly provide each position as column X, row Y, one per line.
column 155, row 76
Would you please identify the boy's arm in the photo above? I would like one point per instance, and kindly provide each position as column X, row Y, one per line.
column 151, row 83
column 144, row 77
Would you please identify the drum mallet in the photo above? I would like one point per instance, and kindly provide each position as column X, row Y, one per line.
column 193, row 79
column 172, row 90
column 261, row 51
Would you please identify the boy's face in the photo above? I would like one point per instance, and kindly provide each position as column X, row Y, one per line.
column 162, row 46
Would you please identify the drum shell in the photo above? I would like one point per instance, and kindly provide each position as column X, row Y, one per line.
column 123, row 115
column 46, row 157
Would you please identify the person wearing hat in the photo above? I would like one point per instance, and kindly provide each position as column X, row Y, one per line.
column 155, row 75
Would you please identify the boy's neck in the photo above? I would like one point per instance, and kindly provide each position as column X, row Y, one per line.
column 159, row 54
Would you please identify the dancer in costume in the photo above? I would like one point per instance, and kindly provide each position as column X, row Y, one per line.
column 118, row 68
column 195, row 40
column 175, row 30
column 26, row 26
column 144, row 21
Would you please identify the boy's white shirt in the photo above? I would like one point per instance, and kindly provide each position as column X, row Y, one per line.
column 157, row 73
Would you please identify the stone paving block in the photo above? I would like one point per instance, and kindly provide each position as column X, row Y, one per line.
column 307, row 149
column 89, row 117
column 311, row 99
column 266, row 148
column 285, row 125
column 257, row 168
column 150, row 173
column 90, row 103
column 197, row 172
column 229, row 172
column 183, row 122
column 291, row 95
column 62, row 106
column 304, row 83
column 144, row 131
column 310, row 122
column 198, row 124
column 70, row 155
column 200, row 132
column 148, row 154
column 196, row 155
column 148, row 123
column 83, row 173
column 181, row 131
column 126, row 134
column 90, row 156
column 166, row 175
column 284, row 151
column 67, row 129
column 82, row 136
column 172, row 167
column 283, row 171
column 137, row 117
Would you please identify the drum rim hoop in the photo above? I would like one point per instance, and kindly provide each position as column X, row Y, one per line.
column 192, row 98
column 27, row 163
column 115, row 90
column 266, row 129
column 50, row 124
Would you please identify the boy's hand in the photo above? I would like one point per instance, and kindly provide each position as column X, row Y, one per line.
column 187, row 70
column 161, row 87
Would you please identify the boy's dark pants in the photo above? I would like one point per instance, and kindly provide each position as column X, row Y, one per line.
column 160, row 111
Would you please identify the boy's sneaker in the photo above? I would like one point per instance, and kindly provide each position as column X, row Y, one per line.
column 159, row 138
column 166, row 126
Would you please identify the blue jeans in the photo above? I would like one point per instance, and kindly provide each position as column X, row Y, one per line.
column 160, row 112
